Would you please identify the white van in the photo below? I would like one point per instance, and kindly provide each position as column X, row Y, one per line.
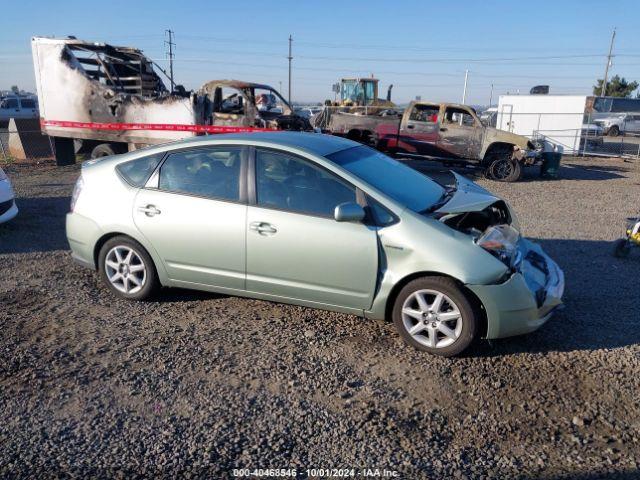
column 15, row 106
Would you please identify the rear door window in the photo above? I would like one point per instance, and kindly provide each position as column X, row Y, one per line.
column 206, row 172
column 424, row 113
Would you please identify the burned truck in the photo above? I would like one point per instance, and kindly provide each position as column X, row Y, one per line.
column 102, row 99
column 448, row 132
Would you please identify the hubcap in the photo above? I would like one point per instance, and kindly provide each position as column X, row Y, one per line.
column 125, row 269
column 502, row 169
column 432, row 318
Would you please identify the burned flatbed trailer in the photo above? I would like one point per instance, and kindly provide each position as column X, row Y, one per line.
column 104, row 99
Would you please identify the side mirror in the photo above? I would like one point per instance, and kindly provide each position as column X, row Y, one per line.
column 349, row 212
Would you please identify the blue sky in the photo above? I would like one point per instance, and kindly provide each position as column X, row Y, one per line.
column 422, row 47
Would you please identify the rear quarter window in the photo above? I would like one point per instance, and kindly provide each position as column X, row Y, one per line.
column 137, row 172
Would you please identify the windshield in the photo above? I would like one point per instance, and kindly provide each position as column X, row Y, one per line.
column 270, row 101
column 358, row 91
column 403, row 184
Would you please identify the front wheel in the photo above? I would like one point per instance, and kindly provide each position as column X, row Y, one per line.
column 614, row 131
column 127, row 269
column 432, row 314
column 504, row 169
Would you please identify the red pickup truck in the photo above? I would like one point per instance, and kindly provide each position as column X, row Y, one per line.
column 443, row 131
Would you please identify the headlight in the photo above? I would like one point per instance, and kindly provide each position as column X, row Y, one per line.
column 501, row 241
column 3, row 176
column 77, row 189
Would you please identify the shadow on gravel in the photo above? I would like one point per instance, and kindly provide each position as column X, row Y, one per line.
column 601, row 299
column 571, row 171
column 171, row 295
column 39, row 226
column 629, row 475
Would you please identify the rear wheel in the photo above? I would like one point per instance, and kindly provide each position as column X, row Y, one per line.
column 432, row 314
column 127, row 269
column 105, row 150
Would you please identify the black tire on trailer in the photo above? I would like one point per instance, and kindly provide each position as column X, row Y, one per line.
column 105, row 150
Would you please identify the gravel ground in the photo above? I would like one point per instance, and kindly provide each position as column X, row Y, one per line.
column 198, row 384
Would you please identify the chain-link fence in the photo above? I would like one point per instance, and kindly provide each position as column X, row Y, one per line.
column 576, row 133
column 25, row 145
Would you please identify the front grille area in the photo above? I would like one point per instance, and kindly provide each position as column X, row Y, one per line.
column 5, row 206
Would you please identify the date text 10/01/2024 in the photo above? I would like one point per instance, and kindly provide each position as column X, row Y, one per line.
column 316, row 472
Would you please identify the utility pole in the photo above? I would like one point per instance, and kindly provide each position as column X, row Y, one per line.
column 464, row 92
column 290, row 58
column 606, row 69
column 491, row 96
column 171, row 55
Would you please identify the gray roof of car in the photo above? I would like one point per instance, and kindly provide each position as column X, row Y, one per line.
column 315, row 143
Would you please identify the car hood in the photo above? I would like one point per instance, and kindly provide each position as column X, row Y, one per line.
column 493, row 134
column 468, row 197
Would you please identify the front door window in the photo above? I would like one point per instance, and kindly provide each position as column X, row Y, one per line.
column 286, row 182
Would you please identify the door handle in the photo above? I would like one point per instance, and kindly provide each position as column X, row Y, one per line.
column 149, row 210
column 263, row 228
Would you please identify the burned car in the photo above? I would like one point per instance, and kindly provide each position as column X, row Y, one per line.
column 105, row 99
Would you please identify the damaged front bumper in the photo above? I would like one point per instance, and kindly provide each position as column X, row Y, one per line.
column 527, row 299
column 532, row 157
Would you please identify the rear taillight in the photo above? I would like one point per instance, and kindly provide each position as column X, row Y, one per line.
column 76, row 192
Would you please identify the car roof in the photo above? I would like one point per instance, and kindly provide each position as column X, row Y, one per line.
column 314, row 143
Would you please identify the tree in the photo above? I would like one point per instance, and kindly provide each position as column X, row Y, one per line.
column 15, row 89
column 616, row 87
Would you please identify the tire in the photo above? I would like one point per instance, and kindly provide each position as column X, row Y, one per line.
column 621, row 248
column 460, row 330
column 130, row 284
column 504, row 169
column 105, row 150
column 614, row 131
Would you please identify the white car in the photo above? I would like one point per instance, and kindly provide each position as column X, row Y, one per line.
column 619, row 123
column 8, row 207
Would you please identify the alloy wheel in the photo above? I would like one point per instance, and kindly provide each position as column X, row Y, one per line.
column 502, row 169
column 125, row 269
column 432, row 318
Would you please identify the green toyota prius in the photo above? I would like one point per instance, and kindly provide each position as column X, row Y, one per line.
column 313, row 220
